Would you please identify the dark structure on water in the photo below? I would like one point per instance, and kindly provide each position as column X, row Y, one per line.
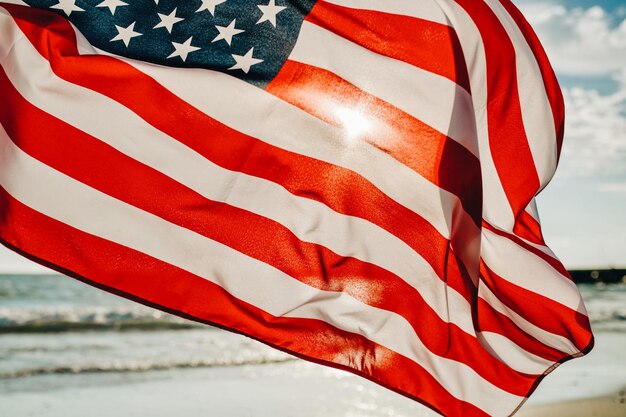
column 591, row 276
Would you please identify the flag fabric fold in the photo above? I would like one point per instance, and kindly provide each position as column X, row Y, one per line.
column 349, row 181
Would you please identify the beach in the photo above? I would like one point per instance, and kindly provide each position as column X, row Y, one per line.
column 69, row 350
column 607, row 406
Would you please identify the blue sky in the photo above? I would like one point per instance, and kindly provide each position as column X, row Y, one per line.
column 583, row 210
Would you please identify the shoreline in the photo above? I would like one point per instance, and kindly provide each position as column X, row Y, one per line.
column 271, row 390
column 592, row 386
column 604, row 406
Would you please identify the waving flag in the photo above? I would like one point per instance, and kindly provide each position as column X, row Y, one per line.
column 350, row 181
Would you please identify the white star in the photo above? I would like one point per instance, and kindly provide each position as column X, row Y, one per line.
column 269, row 12
column 68, row 6
column 244, row 62
column 126, row 34
column 183, row 49
column 209, row 5
column 168, row 20
column 227, row 32
column 112, row 4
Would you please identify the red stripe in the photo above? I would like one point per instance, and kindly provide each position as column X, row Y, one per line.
column 555, row 97
column 507, row 138
column 150, row 281
column 428, row 45
column 528, row 228
column 501, row 324
column 431, row 154
column 88, row 160
column 340, row 189
column 541, row 311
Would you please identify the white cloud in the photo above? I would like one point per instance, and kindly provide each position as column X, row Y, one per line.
column 595, row 132
column 587, row 42
column 579, row 41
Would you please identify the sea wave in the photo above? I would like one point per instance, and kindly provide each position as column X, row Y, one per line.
column 139, row 318
column 54, row 320
column 606, row 316
column 117, row 367
column 606, row 305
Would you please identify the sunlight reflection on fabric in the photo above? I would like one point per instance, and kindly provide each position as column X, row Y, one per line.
column 354, row 122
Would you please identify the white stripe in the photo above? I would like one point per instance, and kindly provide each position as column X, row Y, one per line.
column 536, row 109
column 429, row 97
column 66, row 200
column 518, row 266
column 496, row 207
column 423, row 9
column 533, row 210
column 308, row 219
column 555, row 341
column 542, row 248
column 511, row 354
column 252, row 111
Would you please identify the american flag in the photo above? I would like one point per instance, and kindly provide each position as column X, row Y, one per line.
column 350, row 181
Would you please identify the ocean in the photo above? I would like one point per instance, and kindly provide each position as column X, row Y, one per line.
column 69, row 349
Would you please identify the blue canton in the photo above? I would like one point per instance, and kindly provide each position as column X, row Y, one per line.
column 249, row 39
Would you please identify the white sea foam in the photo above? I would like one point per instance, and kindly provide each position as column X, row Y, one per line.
column 102, row 333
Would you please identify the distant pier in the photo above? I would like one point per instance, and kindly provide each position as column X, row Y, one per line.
column 591, row 276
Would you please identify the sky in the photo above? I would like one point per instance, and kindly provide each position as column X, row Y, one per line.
column 583, row 209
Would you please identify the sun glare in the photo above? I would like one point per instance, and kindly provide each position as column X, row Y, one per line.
column 353, row 122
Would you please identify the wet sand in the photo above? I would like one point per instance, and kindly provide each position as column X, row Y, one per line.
column 286, row 389
column 606, row 406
